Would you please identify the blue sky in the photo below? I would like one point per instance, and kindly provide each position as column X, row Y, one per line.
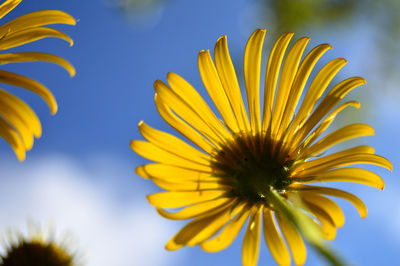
column 80, row 174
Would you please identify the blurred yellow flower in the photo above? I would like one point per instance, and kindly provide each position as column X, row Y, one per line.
column 38, row 248
column 18, row 123
column 240, row 165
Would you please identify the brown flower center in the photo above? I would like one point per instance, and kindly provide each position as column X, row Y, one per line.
column 251, row 166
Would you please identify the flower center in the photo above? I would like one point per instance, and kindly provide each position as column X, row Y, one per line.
column 251, row 166
column 36, row 253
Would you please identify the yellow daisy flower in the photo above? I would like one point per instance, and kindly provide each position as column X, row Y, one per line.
column 239, row 165
column 18, row 123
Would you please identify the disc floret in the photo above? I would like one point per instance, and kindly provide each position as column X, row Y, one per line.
column 252, row 172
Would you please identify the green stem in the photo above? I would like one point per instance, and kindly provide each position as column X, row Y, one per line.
column 306, row 227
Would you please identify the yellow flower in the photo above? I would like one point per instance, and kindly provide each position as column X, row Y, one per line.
column 239, row 164
column 37, row 248
column 18, row 123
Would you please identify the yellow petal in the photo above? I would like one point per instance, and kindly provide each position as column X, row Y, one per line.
column 294, row 240
column 29, row 84
column 7, row 6
column 192, row 98
column 322, row 126
column 154, row 153
column 327, row 103
column 29, row 116
column 205, row 226
column 36, row 56
column 227, row 234
column 362, row 149
column 173, row 199
column 182, row 127
column 272, row 74
column 289, row 70
column 274, row 240
column 196, row 210
column 172, row 144
column 12, row 137
column 326, row 205
column 211, row 81
column 251, row 241
column 340, row 135
column 188, row 112
column 176, row 173
column 347, row 160
column 230, row 83
column 360, row 206
column 299, row 82
column 140, row 171
column 317, row 88
column 252, row 65
column 30, row 35
column 189, row 185
column 14, row 119
column 36, row 19
column 328, row 225
column 350, row 174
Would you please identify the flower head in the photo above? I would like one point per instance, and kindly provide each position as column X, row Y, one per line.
column 18, row 123
column 36, row 249
column 241, row 163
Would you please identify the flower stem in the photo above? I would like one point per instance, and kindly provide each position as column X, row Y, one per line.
column 306, row 227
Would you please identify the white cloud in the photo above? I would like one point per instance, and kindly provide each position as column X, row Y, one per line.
column 85, row 200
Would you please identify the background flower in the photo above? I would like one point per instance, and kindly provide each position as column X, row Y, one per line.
column 18, row 123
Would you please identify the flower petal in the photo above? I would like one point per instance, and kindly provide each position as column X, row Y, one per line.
column 327, row 224
column 325, row 204
column 289, row 71
column 230, row 83
column 340, row 135
column 154, row 153
column 204, row 227
column 327, row 103
column 29, row 116
column 274, row 240
column 176, row 173
column 193, row 211
column 7, row 6
column 362, row 149
column 252, row 66
column 30, row 35
column 172, row 144
column 321, row 127
column 182, row 127
column 347, row 160
column 17, row 121
column 190, row 96
column 188, row 111
column 211, row 81
column 294, row 240
column 12, row 137
column 251, row 241
column 360, row 206
column 227, row 235
column 299, row 82
column 37, row 19
column 317, row 88
column 29, row 84
column 37, row 56
column 177, row 199
column 272, row 74
column 350, row 174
